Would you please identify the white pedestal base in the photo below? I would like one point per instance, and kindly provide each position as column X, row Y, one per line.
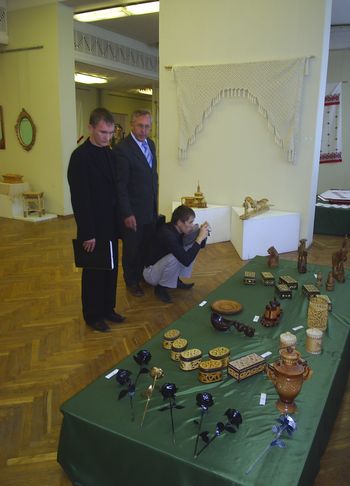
column 219, row 218
column 255, row 235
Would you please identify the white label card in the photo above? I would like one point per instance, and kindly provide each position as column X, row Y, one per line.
column 202, row 303
column 262, row 400
column 112, row 373
column 297, row 328
column 265, row 355
column 256, row 318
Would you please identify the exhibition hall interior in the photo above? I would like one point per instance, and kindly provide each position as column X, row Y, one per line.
column 239, row 373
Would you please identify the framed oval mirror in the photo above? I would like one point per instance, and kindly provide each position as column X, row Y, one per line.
column 25, row 130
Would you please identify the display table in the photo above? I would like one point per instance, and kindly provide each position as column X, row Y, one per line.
column 101, row 445
column 331, row 219
column 11, row 203
column 219, row 218
column 255, row 235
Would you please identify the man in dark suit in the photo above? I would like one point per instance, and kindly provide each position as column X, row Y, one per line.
column 93, row 184
column 137, row 196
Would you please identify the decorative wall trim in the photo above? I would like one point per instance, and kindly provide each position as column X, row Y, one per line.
column 86, row 43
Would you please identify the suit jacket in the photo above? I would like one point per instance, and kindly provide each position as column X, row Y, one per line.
column 137, row 182
column 93, row 185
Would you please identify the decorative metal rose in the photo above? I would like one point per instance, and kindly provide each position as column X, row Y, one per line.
column 234, row 420
column 168, row 390
column 156, row 374
column 286, row 424
column 204, row 401
column 123, row 377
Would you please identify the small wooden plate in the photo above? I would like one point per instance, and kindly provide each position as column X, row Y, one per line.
column 226, row 307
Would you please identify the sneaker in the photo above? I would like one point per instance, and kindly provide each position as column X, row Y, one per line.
column 162, row 294
column 184, row 286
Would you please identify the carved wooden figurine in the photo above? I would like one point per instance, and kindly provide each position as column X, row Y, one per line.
column 319, row 280
column 330, row 282
column 302, row 256
column 273, row 258
column 338, row 259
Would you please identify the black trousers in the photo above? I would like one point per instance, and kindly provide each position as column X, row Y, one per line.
column 135, row 245
column 98, row 293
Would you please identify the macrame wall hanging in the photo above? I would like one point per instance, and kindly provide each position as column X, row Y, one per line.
column 274, row 86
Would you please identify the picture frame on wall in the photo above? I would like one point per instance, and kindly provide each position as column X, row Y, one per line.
column 2, row 130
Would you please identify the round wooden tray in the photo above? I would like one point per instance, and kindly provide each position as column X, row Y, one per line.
column 226, row 307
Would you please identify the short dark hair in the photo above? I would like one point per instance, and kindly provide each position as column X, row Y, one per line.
column 182, row 213
column 99, row 114
column 138, row 113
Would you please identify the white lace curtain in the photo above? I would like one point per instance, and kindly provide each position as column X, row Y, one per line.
column 274, row 86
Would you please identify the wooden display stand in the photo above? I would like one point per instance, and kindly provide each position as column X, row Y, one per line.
column 33, row 202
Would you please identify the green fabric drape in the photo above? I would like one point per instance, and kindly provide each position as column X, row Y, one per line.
column 101, row 446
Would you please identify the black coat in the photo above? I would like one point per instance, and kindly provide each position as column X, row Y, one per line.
column 93, row 186
column 137, row 182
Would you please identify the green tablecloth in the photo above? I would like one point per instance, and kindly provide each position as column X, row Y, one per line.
column 331, row 220
column 101, row 446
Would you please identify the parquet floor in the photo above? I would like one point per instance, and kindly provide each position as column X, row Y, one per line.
column 47, row 354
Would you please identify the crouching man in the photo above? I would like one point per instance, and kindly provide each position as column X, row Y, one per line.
column 173, row 251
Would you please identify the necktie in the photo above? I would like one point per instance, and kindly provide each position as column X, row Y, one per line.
column 147, row 153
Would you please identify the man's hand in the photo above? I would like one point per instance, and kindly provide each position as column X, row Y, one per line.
column 89, row 245
column 203, row 232
column 130, row 222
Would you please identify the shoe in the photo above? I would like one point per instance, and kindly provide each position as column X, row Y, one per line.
column 184, row 286
column 115, row 317
column 135, row 290
column 162, row 294
column 100, row 326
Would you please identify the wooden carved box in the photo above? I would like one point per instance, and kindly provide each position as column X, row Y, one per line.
column 249, row 278
column 268, row 278
column 288, row 280
column 310, row 290
column 190, row 359
column 283, row 291
column 246, row 366
column 210, row 371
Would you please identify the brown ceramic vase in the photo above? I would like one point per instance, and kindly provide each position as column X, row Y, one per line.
column 288, row 375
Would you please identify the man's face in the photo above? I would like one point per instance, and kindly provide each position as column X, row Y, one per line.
column 185, row 227
column 101, row 133
column 141, row 127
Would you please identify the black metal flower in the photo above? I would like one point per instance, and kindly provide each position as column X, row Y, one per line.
column 143, row 357
column 168, row 390
column 204, row 400
column 234, row 417
column 123, row 376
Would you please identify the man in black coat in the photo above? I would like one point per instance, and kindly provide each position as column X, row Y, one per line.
column 137, row 196
column 93, row 184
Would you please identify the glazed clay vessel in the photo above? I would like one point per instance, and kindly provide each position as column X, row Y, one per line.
column 288, row 375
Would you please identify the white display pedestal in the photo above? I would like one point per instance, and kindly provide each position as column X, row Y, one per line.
column 255, row 235
column 11, row 203
column 219, row 218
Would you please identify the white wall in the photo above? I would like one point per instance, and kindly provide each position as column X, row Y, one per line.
column 337, row 176
column 235, row 154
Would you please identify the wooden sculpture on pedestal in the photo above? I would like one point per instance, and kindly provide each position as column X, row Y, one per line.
column 196, row 201
column 252, row 207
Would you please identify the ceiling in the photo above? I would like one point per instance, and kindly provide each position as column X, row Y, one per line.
column 144, row 28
